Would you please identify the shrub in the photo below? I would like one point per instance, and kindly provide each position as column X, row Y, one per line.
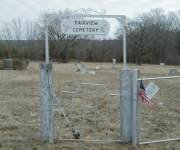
column 1, row 65
column 19, row 64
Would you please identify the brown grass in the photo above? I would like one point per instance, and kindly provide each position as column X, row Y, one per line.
column 19, row 112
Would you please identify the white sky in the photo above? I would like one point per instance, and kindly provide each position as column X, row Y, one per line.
column 30, row 9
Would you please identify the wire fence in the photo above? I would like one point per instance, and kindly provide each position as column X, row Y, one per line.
column 160, row 120
column 91, row 106
column 88, row 103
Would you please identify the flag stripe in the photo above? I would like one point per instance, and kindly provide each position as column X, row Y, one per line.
column 143, row 95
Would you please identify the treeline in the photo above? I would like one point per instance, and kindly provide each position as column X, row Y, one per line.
column 152, row 37
column 82, row 50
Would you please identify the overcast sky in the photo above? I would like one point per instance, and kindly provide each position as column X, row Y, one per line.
column 30, row 9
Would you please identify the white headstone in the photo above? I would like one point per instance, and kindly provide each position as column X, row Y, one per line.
column 91, row 72
column 113, row 63
column 80, row 68
column 162, row 64
column 97, row 67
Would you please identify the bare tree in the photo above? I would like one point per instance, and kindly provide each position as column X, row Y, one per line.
column 17, row 29
column 7, row 35
column 60, row 44
column 151, row 36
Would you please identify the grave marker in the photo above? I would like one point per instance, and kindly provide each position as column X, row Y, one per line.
column 8, row 63
column 81, row 68
column 113, row 63
column 173, row 72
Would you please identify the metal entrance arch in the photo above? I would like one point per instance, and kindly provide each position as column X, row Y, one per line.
column 120, row 18
column 51, row 133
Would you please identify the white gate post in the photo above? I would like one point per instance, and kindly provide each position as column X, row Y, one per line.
column 124, row 46
column 129, row 106
column 135, row 108
column 123, row 21
column 46, row 42
column 46, row 108
column 126, row 105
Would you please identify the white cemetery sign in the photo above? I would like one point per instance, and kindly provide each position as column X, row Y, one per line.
column 151, row 89
column 85, row 27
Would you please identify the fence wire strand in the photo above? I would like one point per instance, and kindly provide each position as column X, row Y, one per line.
column 160, row 120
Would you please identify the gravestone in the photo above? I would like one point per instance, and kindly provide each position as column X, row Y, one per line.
column 113, row 63
column 173, row 72
column 97, row 67
column 8, row 63
column 162, row 64
column 91, row 72
column 80, row 68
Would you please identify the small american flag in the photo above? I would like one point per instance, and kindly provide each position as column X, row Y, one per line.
column 142, row 94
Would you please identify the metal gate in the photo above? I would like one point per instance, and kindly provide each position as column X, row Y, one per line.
column 89, row 110
column 86, row 109
column 160, row 120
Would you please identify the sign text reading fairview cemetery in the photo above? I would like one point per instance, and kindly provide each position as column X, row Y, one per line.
column 84, row 27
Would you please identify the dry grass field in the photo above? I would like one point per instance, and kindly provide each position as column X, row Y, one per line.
column 93, row 109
